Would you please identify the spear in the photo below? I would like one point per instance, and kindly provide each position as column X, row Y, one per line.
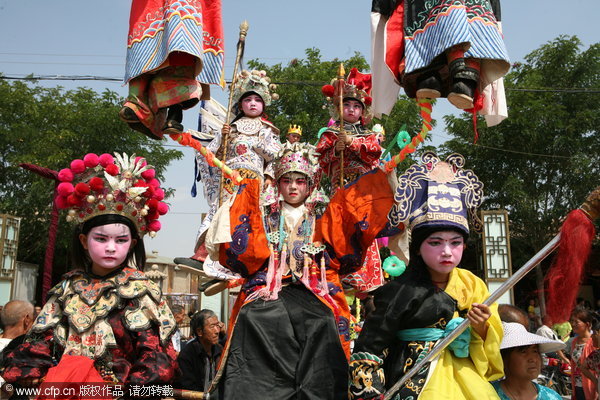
column 591, row 208
column 240, row 51
column 341, row 74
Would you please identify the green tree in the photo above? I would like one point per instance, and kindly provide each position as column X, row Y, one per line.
column 301, row 101
column 544, row 159
column 50, row 127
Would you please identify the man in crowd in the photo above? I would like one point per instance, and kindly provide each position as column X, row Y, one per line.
column 198, row 358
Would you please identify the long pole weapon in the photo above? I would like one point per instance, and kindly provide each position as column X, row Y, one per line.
column 591, row 208
column 341, row 74
column 240, row 50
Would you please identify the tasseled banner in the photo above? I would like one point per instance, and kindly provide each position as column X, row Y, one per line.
column 565, row 275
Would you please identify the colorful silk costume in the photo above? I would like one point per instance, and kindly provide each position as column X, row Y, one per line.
column 120, row 321
column 116, row 326
column 412, row 313
column 173, row 48
column 289, row 331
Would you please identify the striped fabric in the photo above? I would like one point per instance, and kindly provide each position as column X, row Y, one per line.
column 455, row 25
column 158, row 28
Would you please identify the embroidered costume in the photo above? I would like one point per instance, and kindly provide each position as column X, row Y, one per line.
column 412, row 313
column 117, row 326
column 252, row 145
column 289, row 331
column 362, row 155
column 121, row 322
column 174, row 51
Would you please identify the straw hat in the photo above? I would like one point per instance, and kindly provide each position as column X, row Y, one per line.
column 515, row 335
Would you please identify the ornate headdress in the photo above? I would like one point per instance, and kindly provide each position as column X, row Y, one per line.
column 123, row 185
column 437, row 194
column 297, row 129
column 296, row 157
column 257, row 82
column 357, row 86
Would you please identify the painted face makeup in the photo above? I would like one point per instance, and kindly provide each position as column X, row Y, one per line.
column 252, row 106
column 353, row 110
column 442, row 252
column 294, row 188
column 107, row 246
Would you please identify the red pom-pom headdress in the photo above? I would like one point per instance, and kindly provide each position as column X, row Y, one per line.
column 123, row 185
column 357, row 86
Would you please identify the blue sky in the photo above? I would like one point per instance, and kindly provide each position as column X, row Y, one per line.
column 68, row 37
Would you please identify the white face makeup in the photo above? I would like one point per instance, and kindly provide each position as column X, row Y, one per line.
column 108, row 246
column 252, row 105
column 442, row 252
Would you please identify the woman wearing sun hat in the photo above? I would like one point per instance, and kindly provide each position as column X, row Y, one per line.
column 521, row 353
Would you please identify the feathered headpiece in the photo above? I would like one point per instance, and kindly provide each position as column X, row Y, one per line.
column 123, row 185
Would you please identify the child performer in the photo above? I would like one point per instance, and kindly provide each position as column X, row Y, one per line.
column 433, row 295
column 252, row 144
column 289, row 335
column 360, row 145
column 106, row 321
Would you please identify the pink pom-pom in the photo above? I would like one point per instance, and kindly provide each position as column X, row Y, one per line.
column 148, row 174
column 144, row 163
column 91, row 160
column 61, row 202
column 162, row 208
column 154, row 183
column 106, row 159
column 77, row 166
column 159, row 194
column 154, row 225
column 65, row 188
column 65, row 175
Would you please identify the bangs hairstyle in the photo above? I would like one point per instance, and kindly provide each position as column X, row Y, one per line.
column 81, row 258
column 237, row 108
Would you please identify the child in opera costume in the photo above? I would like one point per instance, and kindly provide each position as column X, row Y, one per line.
column 433, row 296
column 106, row 321
column 248, row 145
column 289, row 332
column 360, row 146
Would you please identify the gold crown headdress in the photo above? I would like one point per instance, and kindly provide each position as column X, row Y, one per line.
column 122, row 185
column 297, row 129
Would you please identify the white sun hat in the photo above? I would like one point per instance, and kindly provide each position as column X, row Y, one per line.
column 516, row 335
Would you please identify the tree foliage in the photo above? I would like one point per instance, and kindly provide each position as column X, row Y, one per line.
column 50, row 127
column 302, row 103
column 544, row 159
